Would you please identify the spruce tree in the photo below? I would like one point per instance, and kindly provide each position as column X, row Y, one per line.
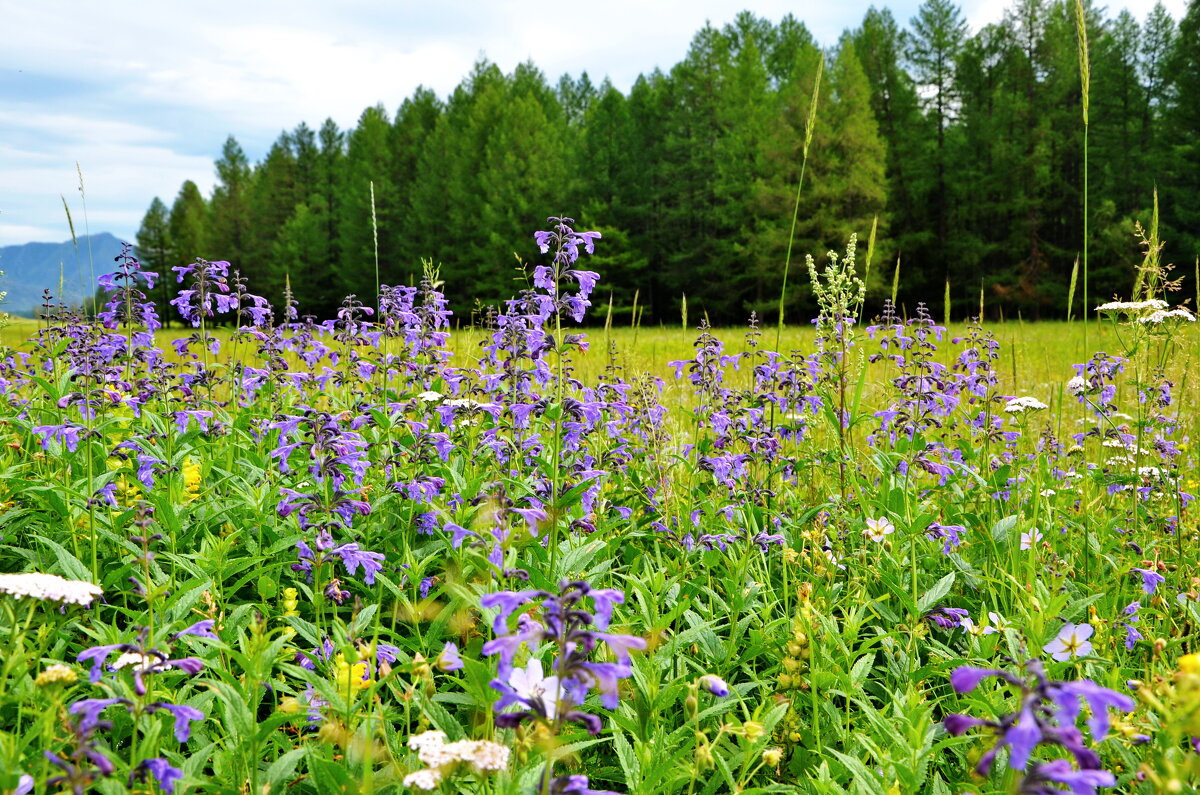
column 155, row 251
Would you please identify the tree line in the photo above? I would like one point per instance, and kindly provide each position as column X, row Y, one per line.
column 966, row 152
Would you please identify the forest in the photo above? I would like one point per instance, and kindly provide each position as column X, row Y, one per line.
column 964, row 150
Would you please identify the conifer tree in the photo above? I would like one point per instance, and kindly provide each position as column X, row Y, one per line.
column 230, row 208
column 155, row 251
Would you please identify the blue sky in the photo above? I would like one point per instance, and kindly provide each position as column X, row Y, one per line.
column 141, row 95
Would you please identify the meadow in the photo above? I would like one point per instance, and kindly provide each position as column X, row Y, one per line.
column 381, row 553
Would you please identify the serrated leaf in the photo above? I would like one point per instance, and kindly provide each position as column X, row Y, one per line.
column 930, row 598
column 282, row 768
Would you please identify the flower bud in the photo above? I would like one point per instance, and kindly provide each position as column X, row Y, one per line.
column 772, row 756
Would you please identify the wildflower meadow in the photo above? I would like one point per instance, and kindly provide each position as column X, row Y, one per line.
column 283, row 554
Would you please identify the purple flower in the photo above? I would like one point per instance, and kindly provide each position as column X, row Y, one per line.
column 966, row 678
column 1047, row 714
column 574, row 785
column 448, row 660
column 353, row 557
column 566, row 623
column 99, row 655
column 948, row 617
column 163, row 773
column 603, row 600
column 1150, row 579
column 715, row 685
column 184, row 715
column 1081, row 782
column 507, row 601
column 67, row 434
column 201, row 629
column 958, row 725
column 89, row 710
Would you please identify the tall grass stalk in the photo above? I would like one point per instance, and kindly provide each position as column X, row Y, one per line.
column 375, row 241
column 946, row 298
column 809, row 125
column 1071, row 290
column 870, row 250
column 88, row 234
column 1085, row 77
column 896, row 281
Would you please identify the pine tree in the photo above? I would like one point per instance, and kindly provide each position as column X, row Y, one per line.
column 368, row 167
column 934, row 46
column 230, row 208
column 272, row 199
column 881, row 47
column 187, row 229
column 415, row 122
column 155, row 251
column 1181, row 214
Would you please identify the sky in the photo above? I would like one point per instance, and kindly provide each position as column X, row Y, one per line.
column 130, row 99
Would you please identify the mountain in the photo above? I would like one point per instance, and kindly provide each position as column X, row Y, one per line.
column 31, row 268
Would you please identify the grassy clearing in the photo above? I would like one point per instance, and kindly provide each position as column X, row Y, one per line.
column 774, row 572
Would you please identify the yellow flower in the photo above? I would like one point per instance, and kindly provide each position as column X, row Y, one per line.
column 191, row 480
column 291, row 602
column 1189, row 664
column 771, row 756
column 351, row 678
column 57, row 674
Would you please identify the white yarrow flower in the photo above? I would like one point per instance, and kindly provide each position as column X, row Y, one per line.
column 426, row 739
column 484, row 755
column 1077, row 386
column 1150, row 304
column 49, row 588
column 1019, row 405
column 430, row 396
column 423, row 779
column 1161, row 315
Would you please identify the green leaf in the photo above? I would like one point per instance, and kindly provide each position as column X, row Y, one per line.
column 68, row 564
column 282, row 768
column 1003, row 527
column 930, row 598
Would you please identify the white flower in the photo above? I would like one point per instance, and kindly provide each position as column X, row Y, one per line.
column 1030, row 539
column 49, row 588
column 999, row 623
column 1133, row 306
column 423, row 779
column 141, row 662
column 529, row 683
column 1048, row 492
column 1175, row 314
column 426, row 739
column 484, row 755
column 879, row 529
column 1077, row 386
column 438, row 756
column 1022, row 404
column 430, row 396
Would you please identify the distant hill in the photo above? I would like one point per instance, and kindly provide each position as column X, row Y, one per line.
column 32, row 267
